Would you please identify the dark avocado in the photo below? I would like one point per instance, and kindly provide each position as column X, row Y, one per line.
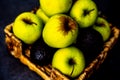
column 90, row 42
column 41, row 54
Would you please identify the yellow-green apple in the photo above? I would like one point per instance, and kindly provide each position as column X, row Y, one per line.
column 60, row 31
column 70, row 61
column 102, row 26
column 51, row 7
column 27, row 27
column 42, row 15
column 84, row 12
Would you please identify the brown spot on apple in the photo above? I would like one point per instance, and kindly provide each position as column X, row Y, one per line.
column 67, row 24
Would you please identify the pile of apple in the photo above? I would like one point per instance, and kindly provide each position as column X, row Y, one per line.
column 72, row 27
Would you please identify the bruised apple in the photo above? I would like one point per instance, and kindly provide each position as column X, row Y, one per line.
column 60, row 31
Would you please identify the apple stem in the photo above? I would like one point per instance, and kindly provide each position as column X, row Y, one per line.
column 91, row 10
column 99, row 24
column 28, row 21
column 87, row 12
column 72, row 63
column 72, row 70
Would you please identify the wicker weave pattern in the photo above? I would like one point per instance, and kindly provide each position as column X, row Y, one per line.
column 14, row 46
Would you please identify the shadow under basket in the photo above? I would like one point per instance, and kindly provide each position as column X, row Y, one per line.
column 15, row 47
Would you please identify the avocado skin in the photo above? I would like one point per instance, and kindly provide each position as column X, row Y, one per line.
column 90, row 42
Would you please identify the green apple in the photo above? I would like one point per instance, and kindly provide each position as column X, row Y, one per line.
column 27, row 27
column 102, row 26
column 70, row 61
column 60, row 31
column 84, row 12
column 51, row 7
column 42, row 15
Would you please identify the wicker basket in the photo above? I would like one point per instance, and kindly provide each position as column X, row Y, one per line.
column 15, row 48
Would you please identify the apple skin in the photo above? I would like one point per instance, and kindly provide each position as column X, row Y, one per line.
column 61, row 61
column 103, row 27
column 84, row 12
column 42, row 15
column 27, row 27
column 52, row 7
column 60, row 31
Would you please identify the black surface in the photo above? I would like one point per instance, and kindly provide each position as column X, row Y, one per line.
column 12, row 69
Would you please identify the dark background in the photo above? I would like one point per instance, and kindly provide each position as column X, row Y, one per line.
column 12, row 69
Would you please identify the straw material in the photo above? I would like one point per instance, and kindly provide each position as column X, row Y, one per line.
column 15, row 48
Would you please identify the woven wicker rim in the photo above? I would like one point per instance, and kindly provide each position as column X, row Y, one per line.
column 14, row 46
